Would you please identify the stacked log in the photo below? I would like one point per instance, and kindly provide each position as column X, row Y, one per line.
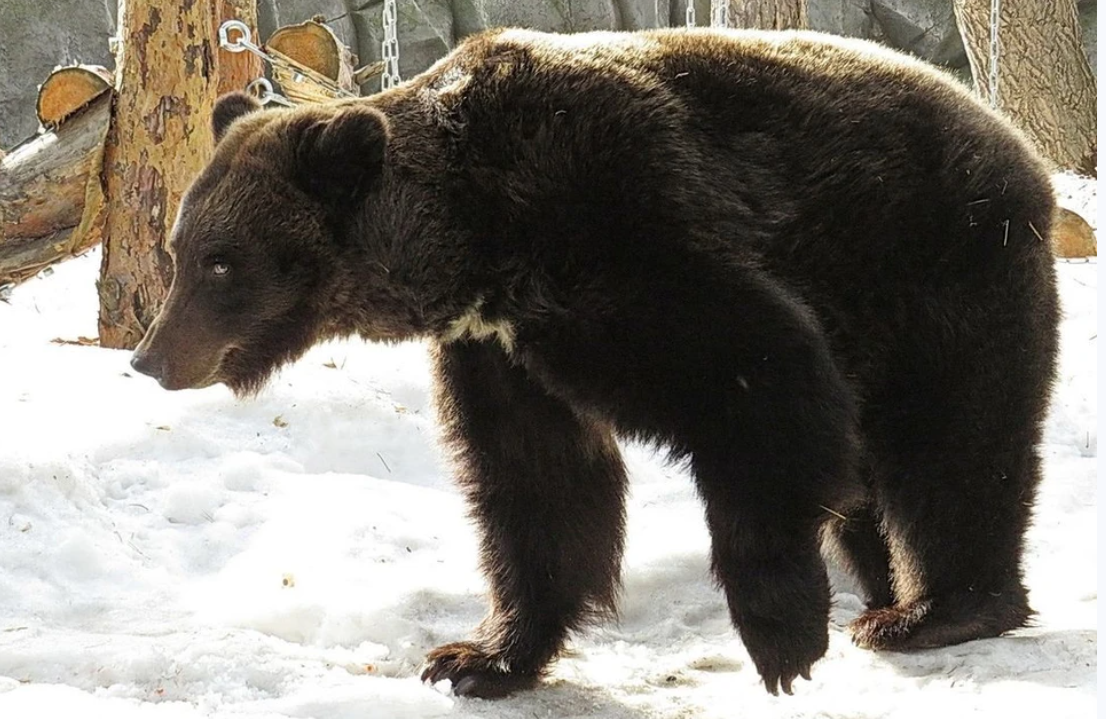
column 46, row 197
column 321, row 67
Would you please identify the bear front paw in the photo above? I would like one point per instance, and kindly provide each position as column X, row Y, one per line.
column 781, row 656
column 473, row 671
column 779, row 671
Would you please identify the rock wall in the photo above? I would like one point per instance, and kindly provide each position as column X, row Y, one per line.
column 35, row 36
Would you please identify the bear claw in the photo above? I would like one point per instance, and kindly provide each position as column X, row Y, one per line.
column 776, row 681
column 473, row 671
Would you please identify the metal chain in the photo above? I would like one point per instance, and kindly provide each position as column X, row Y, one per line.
column 691, row 13
column 996, row 15
column 719, row 13
column 390, row 47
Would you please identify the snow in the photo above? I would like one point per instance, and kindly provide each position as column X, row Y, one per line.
column 181, row 555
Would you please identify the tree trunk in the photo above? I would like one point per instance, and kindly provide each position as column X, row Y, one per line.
column 769, row 14
column 1045, row 85
column 169, row 72
column 236, row 70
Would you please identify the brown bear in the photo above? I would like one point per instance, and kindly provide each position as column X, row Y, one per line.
column 814, row 270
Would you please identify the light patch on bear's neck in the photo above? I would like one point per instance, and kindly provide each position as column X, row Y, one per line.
column 473, row 324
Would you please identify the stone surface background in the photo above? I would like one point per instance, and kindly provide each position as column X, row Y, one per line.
column 36, row 36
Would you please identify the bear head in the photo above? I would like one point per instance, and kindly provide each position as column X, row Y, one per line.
column 254, row 246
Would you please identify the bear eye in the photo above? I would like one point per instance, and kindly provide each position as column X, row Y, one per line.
column 220, row 268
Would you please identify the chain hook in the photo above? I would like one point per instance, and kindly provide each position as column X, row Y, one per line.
column 242, row 43
column 262, row 89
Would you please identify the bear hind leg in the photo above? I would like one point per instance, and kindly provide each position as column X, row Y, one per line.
column 955, row 514
column 856, row 542
column 956, row 577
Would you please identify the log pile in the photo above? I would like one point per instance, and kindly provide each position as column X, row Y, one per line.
column 45, row 183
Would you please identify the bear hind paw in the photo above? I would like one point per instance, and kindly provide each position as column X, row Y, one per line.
column 933, row 623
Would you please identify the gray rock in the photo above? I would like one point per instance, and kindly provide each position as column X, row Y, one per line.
column 36, row 37
column 642, row 15
column 851, row 18
column 428, row 29
column 924, row 28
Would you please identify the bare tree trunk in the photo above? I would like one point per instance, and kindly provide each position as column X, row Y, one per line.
column 1045, row 84
column 168, row 77
column 236, row 70
column 769, row 14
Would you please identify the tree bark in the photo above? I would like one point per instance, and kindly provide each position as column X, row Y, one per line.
column 236, row 70
column 169, row 72
column 769, row 14
column 49, row 191
column 1045, row 84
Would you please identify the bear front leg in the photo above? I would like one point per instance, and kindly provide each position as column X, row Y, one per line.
column 773, row 576
column 546, row 488
column 771, row 476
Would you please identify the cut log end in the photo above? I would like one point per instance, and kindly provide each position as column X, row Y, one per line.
column 68, row 89
column 323, row 66
column 312, row 44
column 1072, row 236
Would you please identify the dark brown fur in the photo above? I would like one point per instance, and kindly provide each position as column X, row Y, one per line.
column 812, row 269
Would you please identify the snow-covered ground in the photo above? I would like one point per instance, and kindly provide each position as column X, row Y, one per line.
column 179, row 555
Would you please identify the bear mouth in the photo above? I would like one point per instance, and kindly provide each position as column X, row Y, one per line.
column 217, row 374
column 243, row 375
column 173, row 386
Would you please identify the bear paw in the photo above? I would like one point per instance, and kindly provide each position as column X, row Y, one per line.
column 888, row 628
column 939, row 622
column 474, row 672
column 782, row 656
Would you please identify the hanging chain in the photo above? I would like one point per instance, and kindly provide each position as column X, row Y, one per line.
column 390, row 47
column 719, row 13
column 996, row 14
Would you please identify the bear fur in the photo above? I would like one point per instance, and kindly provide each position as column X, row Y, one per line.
column 815, row 270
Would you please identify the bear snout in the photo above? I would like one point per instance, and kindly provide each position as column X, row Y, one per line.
column 176, row 362
column 146, row 363
column 173, row 375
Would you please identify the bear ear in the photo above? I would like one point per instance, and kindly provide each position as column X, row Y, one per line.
column 229, row 108
column 339, row 151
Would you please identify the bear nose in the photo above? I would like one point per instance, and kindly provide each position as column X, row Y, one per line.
column 146, row 364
